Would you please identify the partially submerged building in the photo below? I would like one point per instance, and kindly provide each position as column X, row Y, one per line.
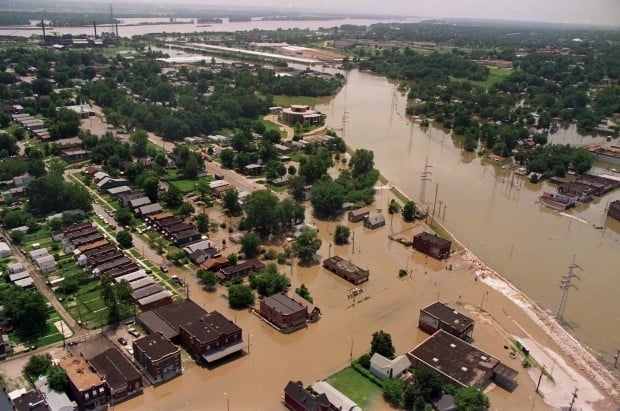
column 440, row 316
column 346, row 270
column 432, row 245
column 461, row 363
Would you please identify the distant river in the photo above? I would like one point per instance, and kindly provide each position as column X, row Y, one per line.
column 126, row 30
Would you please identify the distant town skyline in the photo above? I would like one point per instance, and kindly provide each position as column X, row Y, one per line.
column 598, row 12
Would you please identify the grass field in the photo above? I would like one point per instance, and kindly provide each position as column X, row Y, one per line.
column 286, row 101
column 355, row 386
column 495, row 75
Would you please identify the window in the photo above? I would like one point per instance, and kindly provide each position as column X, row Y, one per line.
column 101, row 389
column 86, row 396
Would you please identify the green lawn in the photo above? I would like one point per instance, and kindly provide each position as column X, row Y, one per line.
column 495, row 75
column 286, row 101
column 355, row 386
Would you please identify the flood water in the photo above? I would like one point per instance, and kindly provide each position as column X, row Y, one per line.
column 132, row 29
column 499, row 221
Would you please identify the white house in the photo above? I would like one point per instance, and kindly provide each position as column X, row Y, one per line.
column 38, row 253
column 385, row 368
column 15, row 268
column 5, row 250
column 46, row 263
column 335, row 397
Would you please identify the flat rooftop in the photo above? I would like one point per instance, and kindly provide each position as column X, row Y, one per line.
column 448, row 315
column 155, row 346
column 80, row 373
column 454, row 358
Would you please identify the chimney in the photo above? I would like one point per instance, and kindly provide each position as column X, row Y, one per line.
column 95, row 28
column 43, row 27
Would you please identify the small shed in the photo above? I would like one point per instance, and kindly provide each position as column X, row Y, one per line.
column 252, row 169
column 374, row 221
column 5, row 250
column 358, row 214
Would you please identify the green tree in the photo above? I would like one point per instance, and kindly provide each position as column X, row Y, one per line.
column 409, row 211
column 38, row 365
column 124, row 217
column 410, row 394
column 227, row 157
column 249, row 245
column 362, row 162
column 70, row 284
column 341, row 235
column 139, row 140
column 326, row 197
column 15, row 218
column 297, row 187
column 364, row 360
column 51, row 193
column 57, row 378
column 186, row 209
column 428, row 382
column 231, row 204
column 232, row 258
column 207, row 278
column 27, row 310
column 382, row 343
column 471, row 399
column 393, row 391
column 260, row 208
column 306, row 245
column 173, row 197
column 394, row 207
column 124, row 239
column 270, row 281
column 304, row 293
column 202, row 223
column 150, row 186
column 240, row 296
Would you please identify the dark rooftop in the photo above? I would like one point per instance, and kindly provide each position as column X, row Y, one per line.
column 115, row 368
column 311, row 402
column 449, row 315
column 210, row 326
column 250, row 264
column 146, row 291
column 155, row 323
column 453, row 357
column 180, row 312
column 30, row 401
column 284, row 304
column 155, row 346
column 432, row 238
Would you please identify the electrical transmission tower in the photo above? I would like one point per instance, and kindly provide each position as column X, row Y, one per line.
column 565, row 286
column 424, row 177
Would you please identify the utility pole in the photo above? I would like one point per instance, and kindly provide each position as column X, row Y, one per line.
column 345, row 120
column 435, row 200
column 616, row 359
column 565, row 285
column 353, row 241
column 573, row 400
column 540, row 378
column 424, row 177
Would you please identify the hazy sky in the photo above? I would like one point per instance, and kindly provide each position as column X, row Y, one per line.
column 601, row 12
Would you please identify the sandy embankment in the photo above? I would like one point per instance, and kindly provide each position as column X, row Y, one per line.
column 556, row 393
column 566, row 377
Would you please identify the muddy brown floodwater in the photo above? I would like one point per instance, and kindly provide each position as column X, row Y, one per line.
column 499, row 221
column 255, row 380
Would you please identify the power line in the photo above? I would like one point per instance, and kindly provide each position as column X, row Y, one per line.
column 565, row 286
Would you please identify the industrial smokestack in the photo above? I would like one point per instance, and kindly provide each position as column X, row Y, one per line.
column 95, row 28
column 117, row 30
column 43, row 27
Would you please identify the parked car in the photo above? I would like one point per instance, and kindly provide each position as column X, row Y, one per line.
column 134, row 332
column 122, row 341
column 177, row 280
column 164, row 268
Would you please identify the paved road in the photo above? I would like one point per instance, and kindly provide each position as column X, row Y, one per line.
column 39, row 282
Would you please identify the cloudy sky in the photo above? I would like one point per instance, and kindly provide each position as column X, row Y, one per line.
column 600, row 12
